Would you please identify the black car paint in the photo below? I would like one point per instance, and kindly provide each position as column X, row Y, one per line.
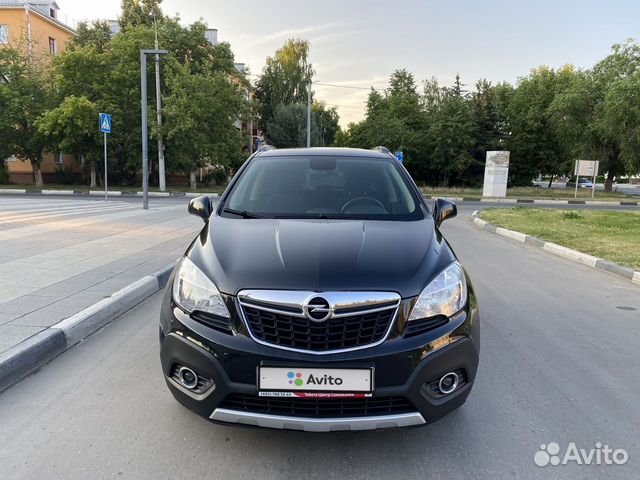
column 321, row 255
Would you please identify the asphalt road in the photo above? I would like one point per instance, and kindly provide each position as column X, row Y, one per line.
column 558, row 364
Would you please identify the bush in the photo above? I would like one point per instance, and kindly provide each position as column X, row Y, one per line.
column 67, row 176
column 215, row 176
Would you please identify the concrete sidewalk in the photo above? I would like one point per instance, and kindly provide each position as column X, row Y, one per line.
column 59, row 256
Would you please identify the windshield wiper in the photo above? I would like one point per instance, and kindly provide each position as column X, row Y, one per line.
column 241, row 213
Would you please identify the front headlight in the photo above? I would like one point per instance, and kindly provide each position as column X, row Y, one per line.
column 445, row 295
column 192, row 290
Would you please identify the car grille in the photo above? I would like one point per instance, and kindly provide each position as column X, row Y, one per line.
column 318, row 407
column 346, row 332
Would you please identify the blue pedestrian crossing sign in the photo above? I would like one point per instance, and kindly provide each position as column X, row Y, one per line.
column 105, row 123
column 400, row 156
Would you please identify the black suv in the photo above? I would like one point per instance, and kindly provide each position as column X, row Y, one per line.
column 320, row 295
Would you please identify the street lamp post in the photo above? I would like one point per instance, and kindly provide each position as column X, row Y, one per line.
column 145, row 145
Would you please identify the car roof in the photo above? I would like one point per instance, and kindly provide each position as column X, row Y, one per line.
column 322, row 151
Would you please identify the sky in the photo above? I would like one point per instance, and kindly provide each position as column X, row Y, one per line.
column 358, row 43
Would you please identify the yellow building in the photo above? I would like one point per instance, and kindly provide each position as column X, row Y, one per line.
column 34, row 27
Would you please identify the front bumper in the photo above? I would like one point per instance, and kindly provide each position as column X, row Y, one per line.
column 404, row 367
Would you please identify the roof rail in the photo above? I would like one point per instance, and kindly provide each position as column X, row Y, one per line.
column 382, row 149
column 265, row 148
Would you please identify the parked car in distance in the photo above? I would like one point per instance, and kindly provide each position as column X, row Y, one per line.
column 582, row 183
column 320, row 295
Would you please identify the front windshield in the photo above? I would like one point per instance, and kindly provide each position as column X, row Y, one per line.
column 323, row 187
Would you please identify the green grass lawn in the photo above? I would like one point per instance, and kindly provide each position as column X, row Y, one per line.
column 529, row 192
column 613, row 235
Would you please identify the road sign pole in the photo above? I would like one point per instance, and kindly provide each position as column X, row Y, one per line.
column 105, row 127
column 105, row 167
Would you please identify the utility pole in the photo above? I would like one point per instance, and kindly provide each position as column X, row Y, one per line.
column 250, row 122
column 309, row 114
column 145, row 133
column 161, row 174
column 29, row 34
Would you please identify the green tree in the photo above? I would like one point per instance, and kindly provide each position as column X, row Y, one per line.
column 81, row 74
column 25, row 92
column 535, row 142
column 327, row 122
column 289, row 126
column 200, row 112
column 285, row 79
column 288, row 129
column 486, row 120
column 188, row 45
column 620, row 125
column 72, row 128
column 393, row 118
column 451, row 132
column 96, row 35
column 111, row 80
column 597, row 114
column 140, row 12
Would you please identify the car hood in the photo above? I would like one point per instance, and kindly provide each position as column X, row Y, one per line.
column 320, row 255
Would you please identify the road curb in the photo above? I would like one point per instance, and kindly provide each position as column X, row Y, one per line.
column 536, row 201
column 561, row 251
column 111, row 193
column 31, row 354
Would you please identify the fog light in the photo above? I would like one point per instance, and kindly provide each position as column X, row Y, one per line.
column 188, row 378
column 448, row 383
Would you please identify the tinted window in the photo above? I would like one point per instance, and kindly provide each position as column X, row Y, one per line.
column 324, row 187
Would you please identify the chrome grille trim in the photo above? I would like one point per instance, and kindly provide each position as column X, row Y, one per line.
column 292, row 300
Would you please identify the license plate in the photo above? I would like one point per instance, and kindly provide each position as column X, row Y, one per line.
column 355, row 380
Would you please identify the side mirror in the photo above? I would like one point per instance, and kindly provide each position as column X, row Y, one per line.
column 201, row 206
column 443, row 210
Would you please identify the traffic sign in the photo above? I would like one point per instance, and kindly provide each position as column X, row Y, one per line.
column 400, row 156
column 105, row 127
column 105, row 123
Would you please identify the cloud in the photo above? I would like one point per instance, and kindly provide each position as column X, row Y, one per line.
column 252, row 41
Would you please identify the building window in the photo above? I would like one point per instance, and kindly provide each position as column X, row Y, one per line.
column 58, row 158
column 52, row 12
column 53, row 46
column 4, row 34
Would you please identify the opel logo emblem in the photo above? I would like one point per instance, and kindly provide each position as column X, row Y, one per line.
column 317, row 309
